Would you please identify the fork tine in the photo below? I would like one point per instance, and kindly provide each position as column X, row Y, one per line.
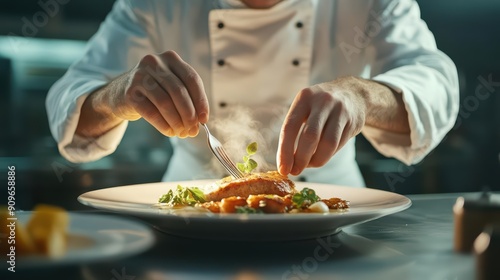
column 221, row 155
column 224, row 154
column 236, row 170
column 229, row 168
column 228, row 161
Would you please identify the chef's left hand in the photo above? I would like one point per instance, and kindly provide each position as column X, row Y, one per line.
column 330, row 113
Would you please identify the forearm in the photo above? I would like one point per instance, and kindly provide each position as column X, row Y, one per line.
column 385, row 107
column 96, row 117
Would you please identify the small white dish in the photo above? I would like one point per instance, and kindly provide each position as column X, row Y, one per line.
column 94, row 238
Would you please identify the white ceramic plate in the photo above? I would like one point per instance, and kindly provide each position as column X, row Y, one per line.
column 138, row 200
column 94, row 238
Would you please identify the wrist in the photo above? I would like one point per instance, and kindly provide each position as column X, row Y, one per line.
column 98, row 103
column 96, row 116
column 359, row 91
column 108, row 101
column 384, row 106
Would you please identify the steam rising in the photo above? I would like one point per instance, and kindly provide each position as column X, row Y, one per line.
column 239, row 126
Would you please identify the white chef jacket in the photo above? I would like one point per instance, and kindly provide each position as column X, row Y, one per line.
column 260, row 59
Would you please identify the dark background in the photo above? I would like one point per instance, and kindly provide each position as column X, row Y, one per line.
column 467, row 160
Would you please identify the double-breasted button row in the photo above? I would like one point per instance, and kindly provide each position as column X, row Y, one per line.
column 221, row 62
column 299, row 24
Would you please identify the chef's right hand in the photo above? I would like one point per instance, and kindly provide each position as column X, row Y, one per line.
column 165, row 91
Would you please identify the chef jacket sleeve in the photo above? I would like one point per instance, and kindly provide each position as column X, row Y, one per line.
column 406, row 58
column 117, row 46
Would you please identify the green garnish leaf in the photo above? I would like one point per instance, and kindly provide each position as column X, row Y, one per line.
column 252, row 148
column 197, row 194
column 241, row 166
column 183, row 196
column 247, row 210
column 248, row 164
column 304, row 198
column 251, row 164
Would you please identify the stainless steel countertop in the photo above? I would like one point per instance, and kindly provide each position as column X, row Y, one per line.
column 414, row 244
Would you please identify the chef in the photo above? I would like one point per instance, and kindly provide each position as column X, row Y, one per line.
column 333, row 68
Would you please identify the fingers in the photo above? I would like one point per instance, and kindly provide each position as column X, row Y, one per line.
column 193, row 83
column 309, row 139
column 324, row 119
column 298, row 113
column 174, row 91
column 151, row 114
column 329, row 143
column 173, row 101
column 185, row 88
column 163, row 101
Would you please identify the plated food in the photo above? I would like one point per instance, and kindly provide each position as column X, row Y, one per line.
column 263, row 192
column 256, row 192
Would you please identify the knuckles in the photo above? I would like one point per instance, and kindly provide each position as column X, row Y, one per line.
column 326, row 98
column 191, row 121
column 311, row 133
column 305, row 93
column 140, row 79
column 148, row 60
column 192, row 78
column 175, row 88
column 170, row 55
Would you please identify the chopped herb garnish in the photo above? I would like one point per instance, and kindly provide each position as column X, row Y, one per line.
column 304, row 198
column 247, row 210
column 248, row 164
column 183, row 196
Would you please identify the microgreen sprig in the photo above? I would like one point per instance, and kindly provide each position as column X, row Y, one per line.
column 248, row 163
column 183, row 196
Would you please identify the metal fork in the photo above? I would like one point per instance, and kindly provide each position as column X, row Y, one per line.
column 221, row 155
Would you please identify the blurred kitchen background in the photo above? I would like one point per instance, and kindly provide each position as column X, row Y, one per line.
column 468, row 159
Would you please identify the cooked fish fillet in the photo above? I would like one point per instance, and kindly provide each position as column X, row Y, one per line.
column 256, row 183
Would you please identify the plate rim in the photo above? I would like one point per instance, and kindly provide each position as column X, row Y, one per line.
column 249, row 227
column 124, row 207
